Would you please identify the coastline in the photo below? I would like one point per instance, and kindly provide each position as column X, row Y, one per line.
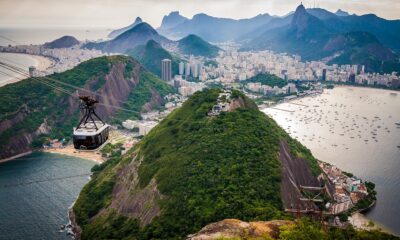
column 72, row 152
column 362, row 222
column 41, row 63
column 67, row 151
column 14, row 157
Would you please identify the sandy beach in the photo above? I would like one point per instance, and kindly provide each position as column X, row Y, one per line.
column 71, row 151
column 41, row 63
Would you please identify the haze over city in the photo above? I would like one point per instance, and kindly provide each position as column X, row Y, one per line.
column 110, row 14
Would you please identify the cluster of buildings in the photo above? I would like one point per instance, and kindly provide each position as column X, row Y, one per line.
column 151, row 119
column 234, row 66
column 63, row 58
column 142, row 126
column 193, row 68
column 54, row 143
column 348, row 190
column 257, row 87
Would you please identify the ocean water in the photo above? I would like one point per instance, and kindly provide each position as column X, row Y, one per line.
column 35, row 193
column 21, row 36
column 355, row 129
column 23, row 61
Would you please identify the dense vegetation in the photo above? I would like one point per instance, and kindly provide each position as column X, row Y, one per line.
column 194, row 45
column 268, row 79
column 209, row 169
column 151, row 55
column 142, row 95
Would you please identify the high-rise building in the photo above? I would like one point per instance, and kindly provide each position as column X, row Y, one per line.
column 166, row 70
column 194, row 70
column 323, row 75
column 181, row 68
column 187, row 69
column 352, row 77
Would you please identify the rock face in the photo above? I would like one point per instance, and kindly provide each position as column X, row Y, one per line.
column 236, row 229
column 63, row 42
column 172, row 20
column 143, row 204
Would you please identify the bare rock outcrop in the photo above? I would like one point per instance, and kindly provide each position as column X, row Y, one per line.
column 234, row 228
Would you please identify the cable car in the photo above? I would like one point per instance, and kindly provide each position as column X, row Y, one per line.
column 90, row 134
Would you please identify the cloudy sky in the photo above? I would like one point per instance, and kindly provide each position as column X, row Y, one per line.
column 117, row 13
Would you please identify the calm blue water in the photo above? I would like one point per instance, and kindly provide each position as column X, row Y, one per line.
column 35, row 210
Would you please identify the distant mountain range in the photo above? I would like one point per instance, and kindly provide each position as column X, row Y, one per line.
column 212, row 29
column 117, row 32
column 142, row 40
column 128, row 40
column 315, row 34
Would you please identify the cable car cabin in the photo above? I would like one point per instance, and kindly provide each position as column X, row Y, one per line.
column 90, row 134
column 87, row 137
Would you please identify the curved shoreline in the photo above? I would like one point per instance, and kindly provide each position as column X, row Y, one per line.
column 42, row 63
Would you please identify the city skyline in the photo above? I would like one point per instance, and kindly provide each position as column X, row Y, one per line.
column 96, row 14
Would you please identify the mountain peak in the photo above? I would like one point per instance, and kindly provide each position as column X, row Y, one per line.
column 341, row 13
column 142, row 27
column 138, row 20
column 300, row 8
column 303, row 21
column 172, row 19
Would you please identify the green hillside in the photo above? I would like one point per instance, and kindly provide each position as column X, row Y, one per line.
column 29, row 104
column 194, row 45
column 268, row 79
column 151, row 55
column 205, row 168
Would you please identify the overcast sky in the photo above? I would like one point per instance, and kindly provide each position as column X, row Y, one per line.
column 118, row 13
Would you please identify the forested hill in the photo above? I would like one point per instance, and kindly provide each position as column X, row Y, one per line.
column 190, row 170
column 151, row 55
column 31, row 111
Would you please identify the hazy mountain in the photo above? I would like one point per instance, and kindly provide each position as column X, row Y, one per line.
column 341, row 13
column 316, row 34
column 63, row 42
column 194, row 45
column 362, row 48
column 138, row 35
column 303, row 36
column 321, row 13
column 172, row 20
column 117, row 32
column 215, row 29
column 151, row 55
